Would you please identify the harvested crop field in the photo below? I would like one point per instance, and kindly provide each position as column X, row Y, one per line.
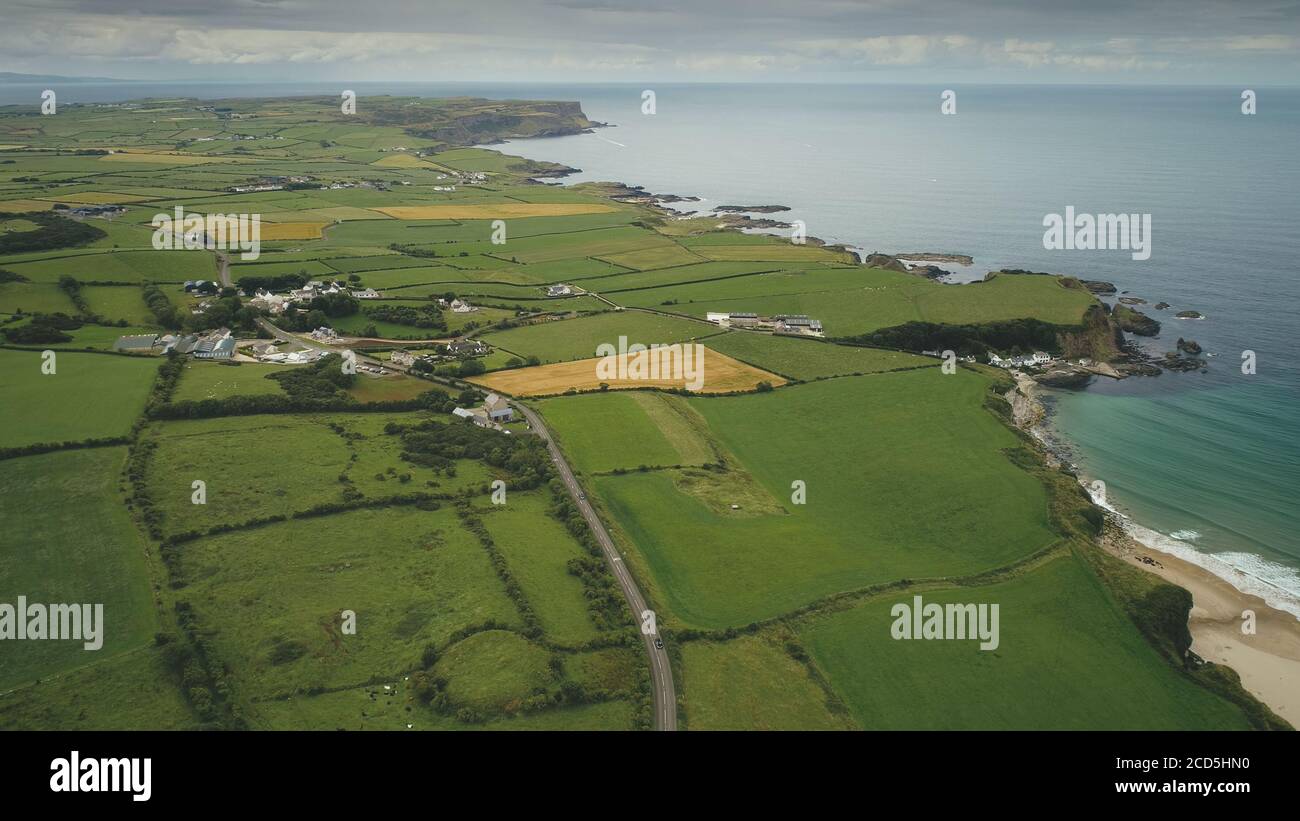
column 496, row 210
column 292, row 230
column 722, row 374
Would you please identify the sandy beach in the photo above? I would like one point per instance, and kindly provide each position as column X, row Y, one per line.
column 1268, row 661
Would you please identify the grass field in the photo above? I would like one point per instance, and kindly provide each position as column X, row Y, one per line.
column 608, row 431
column 500, row 210
column 68, row 539
column 537, row 548
column 41, row 407
column 720, row 374
column 806, row 359
column 1067, row 659
column 214, row 380
column 568, row 339
column 256, row 466
column 272, row 596
column 752, row 683
column 897, row 488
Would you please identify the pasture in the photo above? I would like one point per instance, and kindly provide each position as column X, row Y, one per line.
column 39, row 407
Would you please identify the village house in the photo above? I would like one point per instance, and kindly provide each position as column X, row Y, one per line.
column 461, row 307
column 404, row 358
column 559, row 290
column 498, row 410
column 323, row 334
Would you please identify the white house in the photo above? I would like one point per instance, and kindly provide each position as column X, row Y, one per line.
column 460, row 307
column 1041, row 358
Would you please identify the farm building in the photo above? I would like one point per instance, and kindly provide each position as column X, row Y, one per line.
column 498, row 410
column 218, row 344
column 140, row 343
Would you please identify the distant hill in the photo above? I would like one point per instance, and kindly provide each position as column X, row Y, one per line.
column 13, row 77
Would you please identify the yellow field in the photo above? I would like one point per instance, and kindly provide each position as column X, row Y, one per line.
column 18, row 206
column 292, row 230
column 722, row 374
column 10, row 147
column 490, row 211
column 97, row 198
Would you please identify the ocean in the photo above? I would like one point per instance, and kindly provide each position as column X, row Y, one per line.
column 1202, row 464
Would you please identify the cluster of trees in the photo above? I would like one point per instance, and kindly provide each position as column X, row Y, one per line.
column 227, row 311
column 43, row 329
column 160, row 306
column 433, row 400
column 604, row 601
column 1013, row 335
column 425, row 316
column 437, row 445
column 55, row 231
column 322, row 380
column 282, row 282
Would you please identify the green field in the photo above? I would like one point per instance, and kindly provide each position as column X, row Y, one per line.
column 560, row 341
column 272, row 596
column 538, row 548
column 257, row 466
column 42, row 407
column 68, row 539
column 1067, row 659
column 807, row 359
column 752, row 684
column 626, row 430
column 897, row 487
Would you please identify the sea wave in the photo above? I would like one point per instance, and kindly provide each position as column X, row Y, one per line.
column 1277, row 584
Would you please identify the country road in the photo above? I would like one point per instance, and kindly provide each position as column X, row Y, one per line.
column 661, row 675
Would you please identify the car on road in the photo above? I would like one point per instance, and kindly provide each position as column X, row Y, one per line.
column 659, row 643
column 582, row 496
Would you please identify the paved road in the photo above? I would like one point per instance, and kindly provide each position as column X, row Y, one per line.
column 661, row 675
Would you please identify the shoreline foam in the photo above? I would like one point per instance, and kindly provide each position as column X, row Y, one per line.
column 1267, row 661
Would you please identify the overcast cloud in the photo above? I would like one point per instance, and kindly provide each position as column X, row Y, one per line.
column 947, row 41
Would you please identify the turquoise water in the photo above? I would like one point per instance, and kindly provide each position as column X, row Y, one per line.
column 1213, row 457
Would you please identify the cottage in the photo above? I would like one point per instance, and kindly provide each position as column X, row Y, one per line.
column 559, row 290
column 498, row 410
column 403, row 358
column 461, row 307
column 1041, row 358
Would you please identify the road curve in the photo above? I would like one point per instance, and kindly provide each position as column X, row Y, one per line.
column 661, row 675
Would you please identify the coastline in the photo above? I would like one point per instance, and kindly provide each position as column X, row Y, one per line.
column 1268, row 661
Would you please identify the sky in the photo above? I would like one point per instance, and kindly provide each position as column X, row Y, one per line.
column 1232, row 42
